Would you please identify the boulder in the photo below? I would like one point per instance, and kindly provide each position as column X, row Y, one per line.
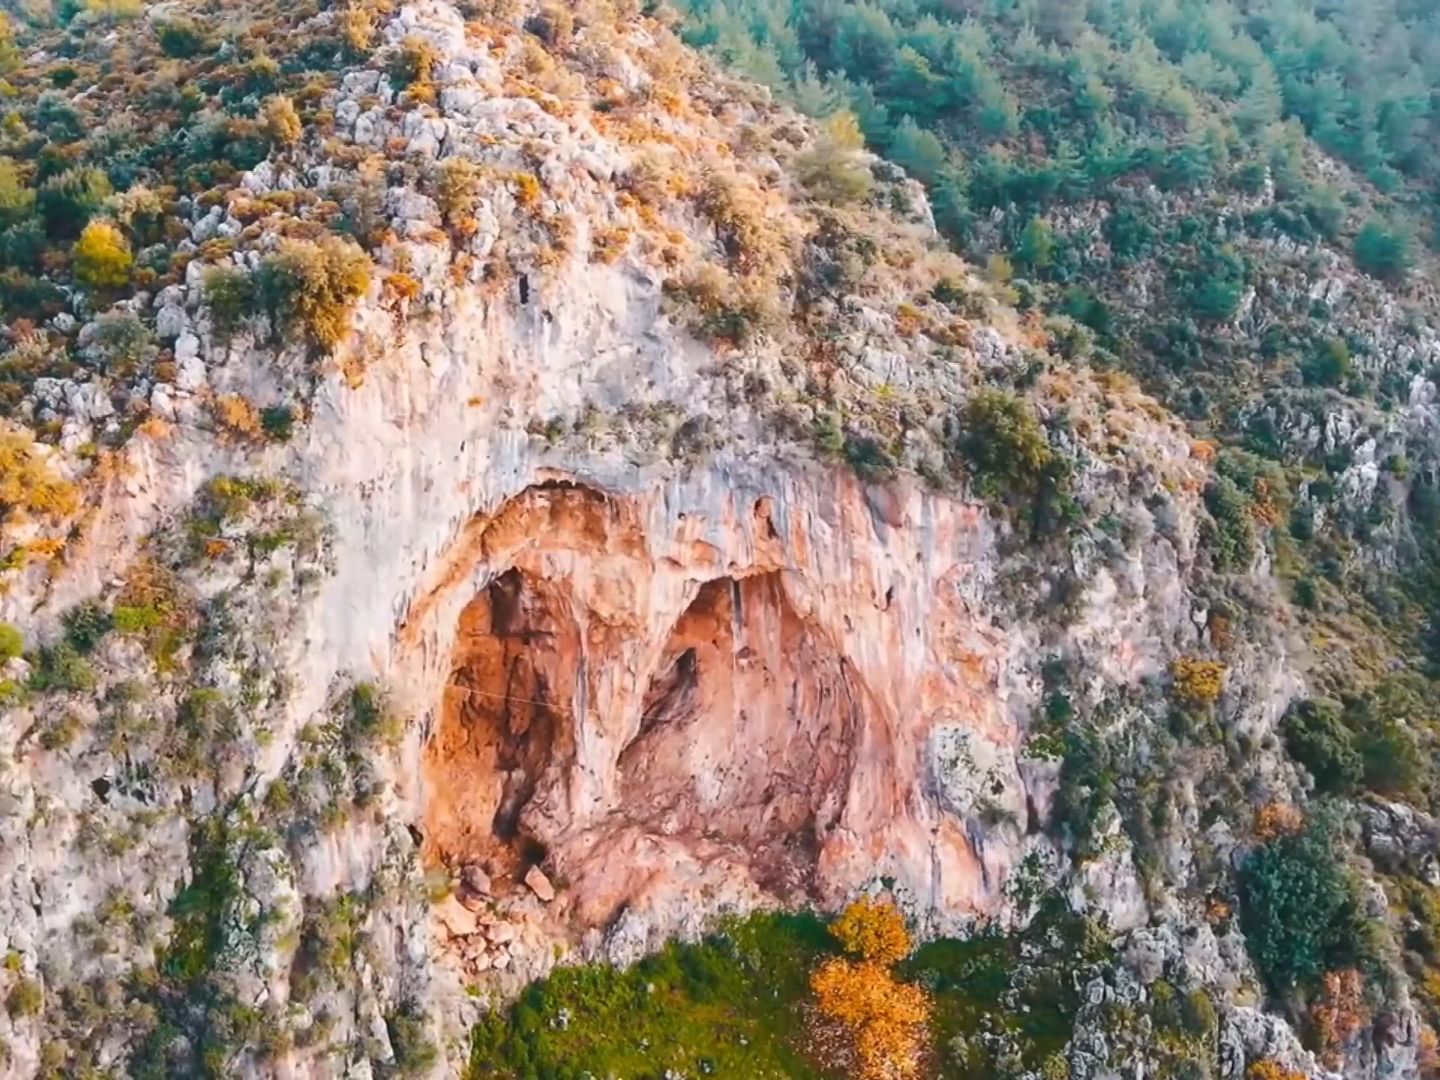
column 539, row 884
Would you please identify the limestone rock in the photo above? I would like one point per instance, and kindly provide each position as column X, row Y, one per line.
column 457, row 920
column 539, row 884
column 474, row 880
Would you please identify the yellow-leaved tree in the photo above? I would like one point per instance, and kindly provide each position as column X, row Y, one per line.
column 884, row 1018
column 102, row 256
column 28, row 485
column 282, row 122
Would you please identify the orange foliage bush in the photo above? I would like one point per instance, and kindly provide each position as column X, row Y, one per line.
column 27, row 483
column 281, row 121
column 401, row 287
column 1270, row 1069
column 1197, row 683
column 1222, row 635
column 527, row 189
column 872, row 930
column 608, row 244
column 1274, row 820
column 102, row 256
column 1429, row 1052
column 1339, row 1013
column 237, row 417
column 885, row 1019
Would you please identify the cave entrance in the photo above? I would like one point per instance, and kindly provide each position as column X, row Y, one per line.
column 505, row 719
column 746, row 730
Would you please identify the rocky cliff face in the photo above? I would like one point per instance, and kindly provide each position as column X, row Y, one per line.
column 549, row 634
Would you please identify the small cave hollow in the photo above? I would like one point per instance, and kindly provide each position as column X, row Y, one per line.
column 505, row 718
column 746, row 730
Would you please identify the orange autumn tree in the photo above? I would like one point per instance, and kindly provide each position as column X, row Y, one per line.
column 885, row 1019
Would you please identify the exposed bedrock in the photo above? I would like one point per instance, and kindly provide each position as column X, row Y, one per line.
column 761, row 698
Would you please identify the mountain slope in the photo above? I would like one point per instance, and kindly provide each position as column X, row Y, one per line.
column 484, row 489
column 1224, row 200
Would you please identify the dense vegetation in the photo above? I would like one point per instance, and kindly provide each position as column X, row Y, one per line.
column 743, row 1002
column 96, row 187
column 726, row 1005
column 1012, row 112
column 1226, row 200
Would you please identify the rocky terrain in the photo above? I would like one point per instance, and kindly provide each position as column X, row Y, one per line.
column 548, row 497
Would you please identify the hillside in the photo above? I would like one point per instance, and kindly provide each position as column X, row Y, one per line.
column 510, row 531
column 1232, row 202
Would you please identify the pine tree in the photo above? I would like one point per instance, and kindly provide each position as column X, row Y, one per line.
column 812, row 94
column 917, row 151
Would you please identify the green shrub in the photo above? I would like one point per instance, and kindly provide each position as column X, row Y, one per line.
column 730, row 1000
column 62, row 123
column 413, row 62
column 10, row 55
column 12, row 642
column 60, row 733
column 1391, row 726
column 22, row 246
column 69, row 200
column 1382, row 250
column 25, row 998
column 311, row 288
column 1393, row 763
column 1009, row 460
column 833, row 170
column 1330, row 366
column 331, row 930
column 1306, row 595
column 204, row 722
column 85, row 625
column 230, row 295
column 260, row 76
column 1197, row 1014
column 458, row 182
column 120, row 345
column 1037, row 247
column 871, row 461
column 1217, row 299
column 415, row 1053
column 278, row 422
column 1299, row 909
column 370, row 718
column 1317, row 738
column 1087, row 785
column 1216, row 285
column 1230, row 533
column 182, row 37
column 1004, row 445
column 137, row 619
column 721, row 306
column 61, row 668
column 17, row 199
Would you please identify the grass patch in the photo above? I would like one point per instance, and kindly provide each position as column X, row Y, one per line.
column 737, row 1003
column 729, row 1006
